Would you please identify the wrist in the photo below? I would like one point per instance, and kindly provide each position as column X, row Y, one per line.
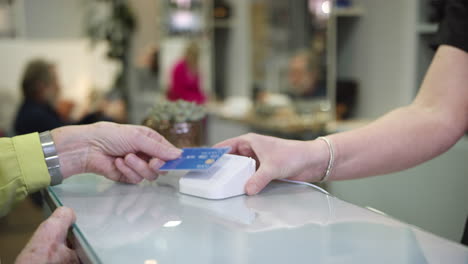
column 51, row 157
column 331, row 158
column 314, row 155
column 70, row 151
column 319, row 160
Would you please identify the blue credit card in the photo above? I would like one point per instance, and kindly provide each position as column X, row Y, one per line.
column 195, row 159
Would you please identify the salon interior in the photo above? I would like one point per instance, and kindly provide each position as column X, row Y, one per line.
column 202, row 71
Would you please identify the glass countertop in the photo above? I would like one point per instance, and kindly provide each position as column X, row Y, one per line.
column 153, row 223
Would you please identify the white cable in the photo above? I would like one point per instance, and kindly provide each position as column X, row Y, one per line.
column 330, row 209
column 308, row 184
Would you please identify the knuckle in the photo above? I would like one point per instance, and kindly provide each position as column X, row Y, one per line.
column 143, row 169
column 62, row 212
column 148, row 131
column 50, row 224
column 249, row 135
column 101, row 124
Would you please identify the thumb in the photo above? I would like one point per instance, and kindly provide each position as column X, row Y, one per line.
column 258, row 181
column 156, row 149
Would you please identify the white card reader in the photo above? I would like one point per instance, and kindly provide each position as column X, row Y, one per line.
column 226, row 178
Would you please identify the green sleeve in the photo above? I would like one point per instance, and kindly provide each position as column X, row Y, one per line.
column 22, row 169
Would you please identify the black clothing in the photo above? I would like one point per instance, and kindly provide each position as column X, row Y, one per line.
column 36, row 117
column 94, row 117
column 453, row 29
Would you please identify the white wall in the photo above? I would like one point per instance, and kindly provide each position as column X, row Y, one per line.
column 377, row 49
column 239, row 57
column 51, row 18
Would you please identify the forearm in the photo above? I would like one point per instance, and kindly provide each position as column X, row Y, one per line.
column 399, row 140
column 408, row 136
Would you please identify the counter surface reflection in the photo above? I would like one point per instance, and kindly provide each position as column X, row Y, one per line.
column 286, row 223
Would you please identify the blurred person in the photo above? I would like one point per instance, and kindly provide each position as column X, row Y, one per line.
column 185, row 77
column 41, row 88
column 304, row 77
column 42, row 110
column 123, row 153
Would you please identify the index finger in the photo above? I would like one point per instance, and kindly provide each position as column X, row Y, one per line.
column 232, row 142
column 156, row 149
column 154, row 135
column 239, row 146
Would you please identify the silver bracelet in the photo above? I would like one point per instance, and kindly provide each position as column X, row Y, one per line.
column 330, row 161
column 51, row 157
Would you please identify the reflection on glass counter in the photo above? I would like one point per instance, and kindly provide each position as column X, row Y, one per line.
column 285, row 223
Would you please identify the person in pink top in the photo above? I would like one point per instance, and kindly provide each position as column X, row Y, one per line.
column 185, row 78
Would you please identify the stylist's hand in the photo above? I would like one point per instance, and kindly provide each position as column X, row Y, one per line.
column 279, row 159
column 125, row 153
column 48, row 244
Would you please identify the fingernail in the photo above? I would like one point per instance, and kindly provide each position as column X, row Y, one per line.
column 175, row 152
column 158, row 164
column 60, row 212
column 63, row 212
column 130, row 159
column 251, row 189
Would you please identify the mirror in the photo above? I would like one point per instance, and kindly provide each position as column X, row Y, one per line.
column 289, row 53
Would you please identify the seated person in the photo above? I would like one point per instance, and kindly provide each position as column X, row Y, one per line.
column 41, row 109
column 40, row 87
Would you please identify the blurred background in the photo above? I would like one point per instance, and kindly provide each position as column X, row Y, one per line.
column 201, row 71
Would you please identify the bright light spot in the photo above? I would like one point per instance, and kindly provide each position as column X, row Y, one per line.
column 172, row 223
column 375, row 210
column 151, row 261
column 326, row 7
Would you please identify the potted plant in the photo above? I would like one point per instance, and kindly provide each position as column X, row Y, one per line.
column 180, row 122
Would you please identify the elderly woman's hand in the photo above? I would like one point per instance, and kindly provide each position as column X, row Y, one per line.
column 48, row 244
column 124, row 153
